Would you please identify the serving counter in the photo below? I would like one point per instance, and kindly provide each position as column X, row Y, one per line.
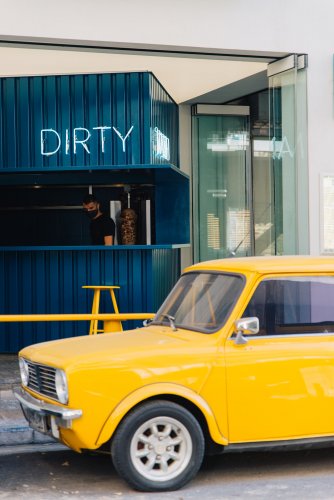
column 49, row 280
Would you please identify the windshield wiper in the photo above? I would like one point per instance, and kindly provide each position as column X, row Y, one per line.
column 171, row 320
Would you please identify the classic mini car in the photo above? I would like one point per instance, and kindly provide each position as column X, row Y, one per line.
column 240, row 355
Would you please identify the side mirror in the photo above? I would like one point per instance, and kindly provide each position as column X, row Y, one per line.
column 245, row 326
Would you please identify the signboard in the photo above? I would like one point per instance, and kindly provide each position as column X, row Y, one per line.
column 86, row 121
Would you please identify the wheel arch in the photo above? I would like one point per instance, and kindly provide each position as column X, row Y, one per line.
column 186, row 398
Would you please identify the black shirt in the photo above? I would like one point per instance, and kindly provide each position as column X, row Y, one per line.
column 101, row 227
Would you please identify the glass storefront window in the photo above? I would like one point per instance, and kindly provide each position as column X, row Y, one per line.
column 288, row 135
column 266, row 200
column 222, row 187
column 250, row 183
column 282, row 136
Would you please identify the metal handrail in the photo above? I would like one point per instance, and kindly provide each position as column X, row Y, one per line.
column 112, row 321
column 12, row 318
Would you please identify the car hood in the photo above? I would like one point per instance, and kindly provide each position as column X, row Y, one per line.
column 122, row 346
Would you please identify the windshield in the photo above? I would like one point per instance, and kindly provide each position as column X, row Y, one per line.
column 200, row 301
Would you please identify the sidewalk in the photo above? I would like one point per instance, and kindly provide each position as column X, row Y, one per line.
column 14, row 429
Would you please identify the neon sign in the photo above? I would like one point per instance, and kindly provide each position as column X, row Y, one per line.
column 51, row 140
column 160, row 143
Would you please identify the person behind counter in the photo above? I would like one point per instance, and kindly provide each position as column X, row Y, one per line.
column 102, row 227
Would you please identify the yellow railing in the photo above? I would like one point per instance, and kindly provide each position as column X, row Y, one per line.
column 111, row 322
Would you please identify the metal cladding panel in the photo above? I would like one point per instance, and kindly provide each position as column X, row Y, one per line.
column 87, row 121
column 50, row 282
column 173, row 224
column 164, row 126
column 166, row 271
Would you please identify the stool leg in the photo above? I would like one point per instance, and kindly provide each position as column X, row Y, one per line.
column 113, row 300
column 95, row 310
column 114, row 303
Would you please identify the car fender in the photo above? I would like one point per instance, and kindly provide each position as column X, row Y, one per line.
column 160, row 390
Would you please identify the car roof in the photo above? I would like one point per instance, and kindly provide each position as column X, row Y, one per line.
column 268, row 264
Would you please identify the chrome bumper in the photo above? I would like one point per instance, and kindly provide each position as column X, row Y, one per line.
column 63, row 416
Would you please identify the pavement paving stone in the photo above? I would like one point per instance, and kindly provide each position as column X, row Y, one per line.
column 9, row 371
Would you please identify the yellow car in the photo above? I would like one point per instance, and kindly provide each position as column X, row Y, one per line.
column 239, row 356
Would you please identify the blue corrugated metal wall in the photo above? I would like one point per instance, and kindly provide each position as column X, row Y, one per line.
column 42, row 280
column 172, row 191
column 46, row 281
column 166, row 120
column 63, row 103
column 165, row 272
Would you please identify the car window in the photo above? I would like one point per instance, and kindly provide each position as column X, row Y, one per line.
column 201, row 301
column 294, row 305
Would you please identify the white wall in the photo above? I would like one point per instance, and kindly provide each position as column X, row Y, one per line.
column 285, row 25
column 304, row 26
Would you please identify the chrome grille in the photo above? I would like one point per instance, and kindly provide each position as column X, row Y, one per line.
column 42, row 379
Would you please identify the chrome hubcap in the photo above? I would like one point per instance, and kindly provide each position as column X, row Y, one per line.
column 161, row 449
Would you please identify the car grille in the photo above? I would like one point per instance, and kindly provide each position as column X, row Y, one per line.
column 42, row 379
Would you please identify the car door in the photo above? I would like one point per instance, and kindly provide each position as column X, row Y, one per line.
column 280, row 383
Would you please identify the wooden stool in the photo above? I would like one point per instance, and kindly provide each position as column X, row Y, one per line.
column 110, row 326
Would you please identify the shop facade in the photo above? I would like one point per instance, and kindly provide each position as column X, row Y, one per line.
column 63, row 137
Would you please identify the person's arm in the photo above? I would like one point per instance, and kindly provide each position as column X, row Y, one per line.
column 109, row 231
column 109, row 240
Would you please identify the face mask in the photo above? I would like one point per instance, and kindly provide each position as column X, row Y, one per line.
column 91, row 213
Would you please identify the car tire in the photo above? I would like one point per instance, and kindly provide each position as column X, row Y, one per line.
column 159, row 446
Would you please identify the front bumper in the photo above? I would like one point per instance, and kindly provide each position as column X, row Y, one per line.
column 45, row 417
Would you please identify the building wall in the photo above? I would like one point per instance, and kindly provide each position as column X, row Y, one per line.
column 302, row 26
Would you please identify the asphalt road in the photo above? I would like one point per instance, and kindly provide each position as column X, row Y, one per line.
column 64, row 474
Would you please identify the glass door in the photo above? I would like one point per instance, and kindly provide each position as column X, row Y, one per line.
column 222, row 183
column 288, row 136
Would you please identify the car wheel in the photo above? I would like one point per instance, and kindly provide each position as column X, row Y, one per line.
column 159, row 446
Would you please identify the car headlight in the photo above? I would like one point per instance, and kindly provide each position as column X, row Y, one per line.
column 24, row 372
column 61, row 386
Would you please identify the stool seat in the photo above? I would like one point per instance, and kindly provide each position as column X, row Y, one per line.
column 113, row 325
column 101, row 287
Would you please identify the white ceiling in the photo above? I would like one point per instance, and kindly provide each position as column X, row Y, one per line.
column 184, row 77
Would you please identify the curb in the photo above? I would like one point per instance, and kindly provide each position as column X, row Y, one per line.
column 14, row 429
column 17, row 433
